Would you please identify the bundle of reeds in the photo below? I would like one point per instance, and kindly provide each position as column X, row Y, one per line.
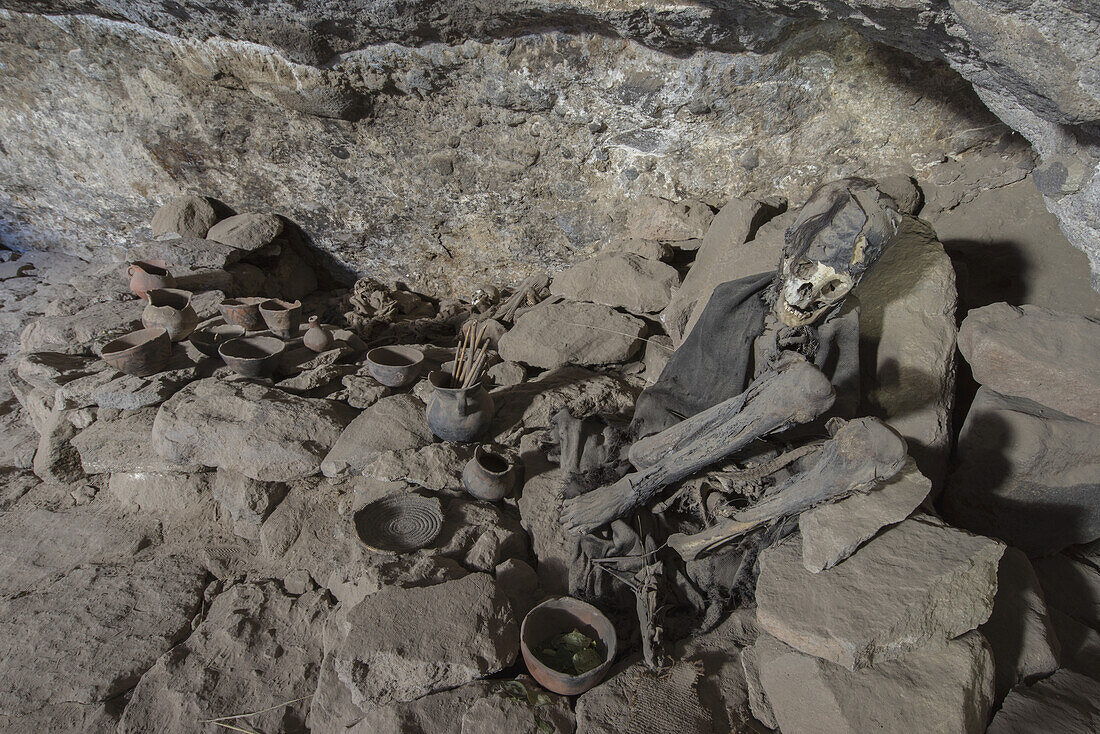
column 470, row 362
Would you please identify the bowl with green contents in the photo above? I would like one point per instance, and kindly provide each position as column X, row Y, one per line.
column 567, row 644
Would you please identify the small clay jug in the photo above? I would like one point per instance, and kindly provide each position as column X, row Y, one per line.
column 317, row 338
column 171, row 309
column 457, row 413
column 489, row 475
column 282, row 317
column 146, row 275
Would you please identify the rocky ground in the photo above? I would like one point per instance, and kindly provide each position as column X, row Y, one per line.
column 179, row 551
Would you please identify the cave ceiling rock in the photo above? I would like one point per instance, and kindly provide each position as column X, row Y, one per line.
column 1032, row 62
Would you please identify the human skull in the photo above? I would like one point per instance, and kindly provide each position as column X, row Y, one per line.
column 808, row 290
column 841, row 231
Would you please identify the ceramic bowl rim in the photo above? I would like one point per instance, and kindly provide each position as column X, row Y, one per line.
column 151, row 338
column 398, row 348
column 252, row 340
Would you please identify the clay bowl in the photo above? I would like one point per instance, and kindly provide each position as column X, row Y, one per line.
column 252, row 356
column 243, row 312
column 395, row 366
column 282, row 317
column 553, row 617
column 140, row 353
column 208, row 340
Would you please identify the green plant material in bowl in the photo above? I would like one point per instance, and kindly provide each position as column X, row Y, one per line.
column 572, row 653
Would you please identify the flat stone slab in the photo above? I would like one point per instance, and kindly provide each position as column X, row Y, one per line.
column 619, row 280
column 262, row 432
column 1033, row 352
column 393, row 423
column 1026, row 474
column 555, row 334
column 38, row 544
column 109, row 388
column 436, row 466
column 831, row 533
column 1065, row 703
column 246, row 231
column 1020, row 632
column 124, row 444
column 1072, row 586
column 941, row 689
column 266, row 647
column 724, row 255
column 907, row 338
column 918, row 582
column 187, row 253
column 90, row 635
column 461, row 631
column 85, row 330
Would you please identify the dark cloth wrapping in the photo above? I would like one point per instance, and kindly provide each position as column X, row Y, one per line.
column 715, row 361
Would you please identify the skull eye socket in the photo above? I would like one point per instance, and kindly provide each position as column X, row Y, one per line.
column 804, row 268
column 832, row 288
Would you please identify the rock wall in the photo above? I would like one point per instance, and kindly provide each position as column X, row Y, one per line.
column 447, row 144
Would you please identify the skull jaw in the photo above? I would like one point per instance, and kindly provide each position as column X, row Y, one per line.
column 793, row 315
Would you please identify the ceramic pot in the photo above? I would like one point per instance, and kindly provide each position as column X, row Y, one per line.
column 243, row 312
column 489, row 475
column 141, row 353
column 282, row 317
column 252, row 356
column 317, row 338
column 565, row 614
column 395, row 366
column 208, row 340
column 457, row 413
column 145, row 275
column 170, row 308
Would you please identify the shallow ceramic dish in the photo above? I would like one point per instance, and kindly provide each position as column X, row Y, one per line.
column 140, row 353
column 554, row 617
column 209, row 339
column 399, row 523
column 396, row 366
column 252, row 356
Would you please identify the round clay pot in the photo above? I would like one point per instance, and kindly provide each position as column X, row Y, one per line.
column 457, row 413
column 243, row 312
column 252, row 356
column 553, row 617
column 317, row 338
column 395, row 366
column 170, row 308
column 208, row 340
column 140, row 353
column 145, row 275
column 489, row 475
column 282, row 317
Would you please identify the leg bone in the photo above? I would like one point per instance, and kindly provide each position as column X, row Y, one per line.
column 795, row 392
column 861, row 453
